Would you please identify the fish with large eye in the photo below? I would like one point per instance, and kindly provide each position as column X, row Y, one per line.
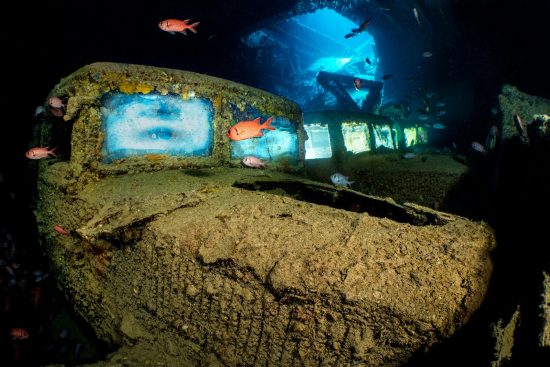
column 339, row 179
column 57, row 106
column 40, row 152
column 253, row 162
column 249, row 129
column 174, row 26
column 56, row 102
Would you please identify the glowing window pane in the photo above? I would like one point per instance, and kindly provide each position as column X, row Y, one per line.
column 318, row 142
column 301, row 46
column 274, row 144
column 139, row 124
column 356, row 137
column 394, row 137
column 410, row 136
column 383, row 137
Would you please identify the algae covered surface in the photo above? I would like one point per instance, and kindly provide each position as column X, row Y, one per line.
column 243, row 267
column 197, row 261
column 79, row 134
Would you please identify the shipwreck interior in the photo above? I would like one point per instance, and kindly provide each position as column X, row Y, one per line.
column 393, row 95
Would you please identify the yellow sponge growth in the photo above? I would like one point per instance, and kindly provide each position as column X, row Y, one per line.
column 133, row 87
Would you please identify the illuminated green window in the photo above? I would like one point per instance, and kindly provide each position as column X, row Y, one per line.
column 356, row 137
column 410, row 136
column 395, row 134
column 422, row 135
column 415, row 136
column 318, row 142
column 383, row 137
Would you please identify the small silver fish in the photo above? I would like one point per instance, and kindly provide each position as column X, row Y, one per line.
column 39, row 110
column 415, row 12
column 520, row 125
column 409, row 155
column 339, row 179
column 253, row 162
column 478, row 147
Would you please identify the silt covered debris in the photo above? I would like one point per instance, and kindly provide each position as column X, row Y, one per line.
column 195, row 260
column 254, row 267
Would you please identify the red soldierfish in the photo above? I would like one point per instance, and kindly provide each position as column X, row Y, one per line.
column 19, row 333
column 253, row 162
column 175, row 25
column 58, row 112
column 249, row 129
column 40, row 152
column 60, row 229
column 357, row 83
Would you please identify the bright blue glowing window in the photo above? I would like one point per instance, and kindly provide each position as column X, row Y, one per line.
column 137, row 124
column 281, row 143
column 336, row 54
column 318, row 142
column 356, row 137
column 296, row 49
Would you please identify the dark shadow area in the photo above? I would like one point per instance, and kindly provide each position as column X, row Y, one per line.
column 37, row 324
column 510, row 192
